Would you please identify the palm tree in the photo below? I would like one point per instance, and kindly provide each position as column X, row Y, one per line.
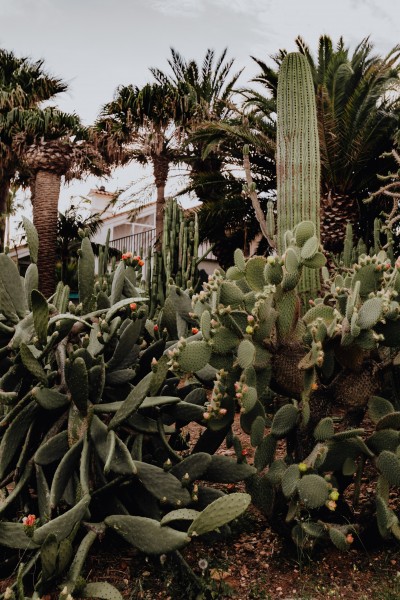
column 358, row 111
column 54, row 145
column 211, row 128
column 140, row 120
column 24, row 84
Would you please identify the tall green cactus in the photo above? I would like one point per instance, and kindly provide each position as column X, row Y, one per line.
column 297, row 156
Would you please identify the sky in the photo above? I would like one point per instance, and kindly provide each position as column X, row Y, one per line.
column 96, row 45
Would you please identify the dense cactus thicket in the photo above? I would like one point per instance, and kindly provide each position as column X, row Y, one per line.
column 95, row 397
column 92, row 426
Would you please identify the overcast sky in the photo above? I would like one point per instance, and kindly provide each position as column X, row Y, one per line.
column 96, row 45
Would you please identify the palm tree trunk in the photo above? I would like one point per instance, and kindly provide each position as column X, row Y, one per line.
column 160, row 168
column 45, row 195
column 336, row 212
column 4, row 190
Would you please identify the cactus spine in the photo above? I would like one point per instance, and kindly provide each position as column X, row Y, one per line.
column 297, row 156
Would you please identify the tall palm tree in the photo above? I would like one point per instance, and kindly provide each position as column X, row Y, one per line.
column 211, row 128
column 141, row 121
column 54, row 145
column 358, row 110
column 202, row 93
column 24, row 85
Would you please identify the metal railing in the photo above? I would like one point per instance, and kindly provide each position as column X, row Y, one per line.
column 138, row 243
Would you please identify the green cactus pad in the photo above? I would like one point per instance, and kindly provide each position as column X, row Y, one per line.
column 370, row 313
column 230, row 294
column 316, row 262
column 194, row 465
column 132, row 402
column 162, row 485
column 390, row 421
column 290, row 479
column 276, row 472
column 265, row 452
column 121, row 461
column 248, row 400
column 247, row 418
column 218, row 513
column 292, row 261
column 386, row 439
column 40, row 310
column 240, row 262
column 31, row 282
column 86, row 266
column 246, row 353
column 32, row 239
column 13, row 535
column 255, row 273
column 62, row 526
column 350, row 433
column 147, row 535
column 182, row 514
column 320, row 311
column 14, row 435
column 284, row 420
column 205, row 324
column 48, row 556
column 102, row 590
column 379, row 407
column 313, row 490
column 194, row 356
column 50, row 399
column 64, row 472
column 53, row 449
column 78, row 384
column 389, row 465
column 226, row 470
column 12, row 294
column 310, row 248
column 315, row 530
column 257, row 431
column 303, row 232
column 224, row 340
column 273, row 273
column 234, row 274
column 385, row 517
column 338, row 538
column 324, row 430
column 32, row 364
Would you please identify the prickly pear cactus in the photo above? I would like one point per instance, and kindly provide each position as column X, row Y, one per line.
column 91, row 429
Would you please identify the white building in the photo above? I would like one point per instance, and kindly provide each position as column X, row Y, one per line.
column 126, row 235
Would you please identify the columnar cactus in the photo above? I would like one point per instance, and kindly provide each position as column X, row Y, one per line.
column 297, row 157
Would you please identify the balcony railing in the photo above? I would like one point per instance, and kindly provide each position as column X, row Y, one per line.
column 140, row 242
column 137, row 243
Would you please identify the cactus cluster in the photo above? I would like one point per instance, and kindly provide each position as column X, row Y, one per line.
column 91, row 425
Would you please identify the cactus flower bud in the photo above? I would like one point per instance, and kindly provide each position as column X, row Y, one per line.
column 222, row 411
column 195, row 330
column 331, row 504
column 206, row 416
column 334, row 495
column 155, row 328
column 249, row 329
column 349, row 538
column 29, row 521
column 303, row 467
